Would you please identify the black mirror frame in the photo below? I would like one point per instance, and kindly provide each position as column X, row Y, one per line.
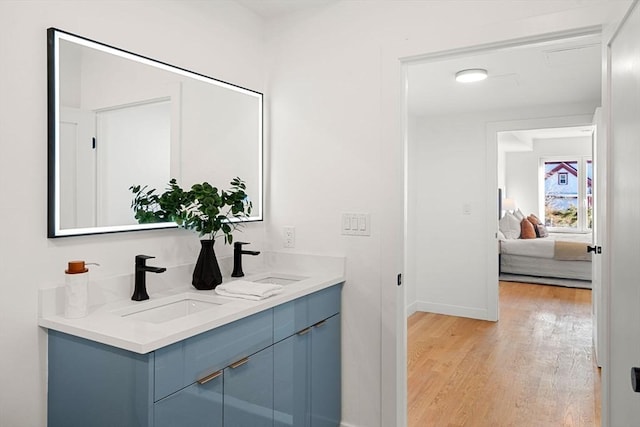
column 53, row 213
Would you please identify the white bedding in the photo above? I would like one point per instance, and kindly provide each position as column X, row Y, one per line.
column 541, row 267
column 542, row 247
column 535, row 257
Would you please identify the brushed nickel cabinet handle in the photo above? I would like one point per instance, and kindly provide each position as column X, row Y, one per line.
column 320, row 323
column 304, row 331
column 209, row 377
column 239, row 363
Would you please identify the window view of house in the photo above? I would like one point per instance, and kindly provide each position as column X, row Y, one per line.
column 565, row 184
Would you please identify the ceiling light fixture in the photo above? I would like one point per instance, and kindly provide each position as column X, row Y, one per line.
column 471, row 75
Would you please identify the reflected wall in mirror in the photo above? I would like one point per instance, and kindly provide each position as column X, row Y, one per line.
column 117, row 119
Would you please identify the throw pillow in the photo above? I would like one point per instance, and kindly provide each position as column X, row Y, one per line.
column 510, row 226
column 534, row 219
column 526, row 230
column 518, row 214
column 542, row 231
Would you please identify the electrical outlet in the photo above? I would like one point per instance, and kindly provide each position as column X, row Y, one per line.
column 289, row 237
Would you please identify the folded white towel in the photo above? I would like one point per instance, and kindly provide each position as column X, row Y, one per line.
column 248, row 290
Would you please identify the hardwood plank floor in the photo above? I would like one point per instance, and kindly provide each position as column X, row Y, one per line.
column 535, row 367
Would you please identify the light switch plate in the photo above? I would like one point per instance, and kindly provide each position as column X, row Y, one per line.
column 356, row 224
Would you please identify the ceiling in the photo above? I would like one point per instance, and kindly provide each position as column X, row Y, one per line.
column 522, row 140
column 560, row 72
column 271, row 9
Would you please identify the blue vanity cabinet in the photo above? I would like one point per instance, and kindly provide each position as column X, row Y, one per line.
column 93, row 384
column 307, row 360
column 248, row 391
column 183, row 384
column 198, row 405
column 223, row 377
column 239, row 395
column 326, row 397
column 279, row 367
column 292, row 378
column 194, row 359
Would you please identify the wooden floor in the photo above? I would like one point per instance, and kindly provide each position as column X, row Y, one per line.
column 535, row 367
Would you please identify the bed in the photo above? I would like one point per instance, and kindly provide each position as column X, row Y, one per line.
column 559, row 255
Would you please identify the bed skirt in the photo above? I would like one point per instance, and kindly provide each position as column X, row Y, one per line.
column 516, row 264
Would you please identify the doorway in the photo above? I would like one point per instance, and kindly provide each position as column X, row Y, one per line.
column 453, row 156
column 451, row 217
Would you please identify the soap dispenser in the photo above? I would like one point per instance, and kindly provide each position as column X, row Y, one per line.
column 76, row 300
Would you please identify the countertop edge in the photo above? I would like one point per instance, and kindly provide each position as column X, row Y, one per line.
column 72, row 327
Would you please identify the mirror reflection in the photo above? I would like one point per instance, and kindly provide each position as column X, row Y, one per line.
column 117, row 119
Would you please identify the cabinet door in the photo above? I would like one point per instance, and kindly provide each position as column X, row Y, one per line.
column 181, row 364
column 199, row 405
column 292, row 377
column 326, row 373
column 248, row 391
column 93, row 384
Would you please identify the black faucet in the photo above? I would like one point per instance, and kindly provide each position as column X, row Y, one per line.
column 140, row 291
column 237, row 258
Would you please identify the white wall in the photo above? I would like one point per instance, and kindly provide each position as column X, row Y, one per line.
column 447, row 171
column 220, row 39
column 336, row 132
column 522, row 177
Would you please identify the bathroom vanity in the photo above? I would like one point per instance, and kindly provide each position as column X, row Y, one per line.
column 274, row 362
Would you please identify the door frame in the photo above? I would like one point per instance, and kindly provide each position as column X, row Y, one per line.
column 396, row 386
column 607, row 274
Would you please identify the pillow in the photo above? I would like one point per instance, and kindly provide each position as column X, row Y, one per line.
column 541, row 230
column 501, row 235
column 526, row 230
column 510, row 226
column 534, row 219
column 518, row 214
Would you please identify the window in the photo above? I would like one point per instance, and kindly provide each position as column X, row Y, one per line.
column 563, row 178
column 568, row 193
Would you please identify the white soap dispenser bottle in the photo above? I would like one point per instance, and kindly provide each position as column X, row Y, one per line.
column 76, row 295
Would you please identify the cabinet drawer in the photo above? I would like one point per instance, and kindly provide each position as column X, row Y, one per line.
column 306, row 311
column 194, row 406
column 185, row 362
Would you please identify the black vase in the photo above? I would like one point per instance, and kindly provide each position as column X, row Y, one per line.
column 207, row 273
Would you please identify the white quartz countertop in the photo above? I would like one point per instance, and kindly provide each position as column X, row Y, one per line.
column 106, row 324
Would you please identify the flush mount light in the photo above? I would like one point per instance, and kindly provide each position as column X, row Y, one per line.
column 471, row 75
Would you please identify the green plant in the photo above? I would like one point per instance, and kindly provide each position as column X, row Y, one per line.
column 203, row 208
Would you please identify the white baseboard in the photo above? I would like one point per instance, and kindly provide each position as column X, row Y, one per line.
column 450, row 310
column 346, row 425
column 411, row 308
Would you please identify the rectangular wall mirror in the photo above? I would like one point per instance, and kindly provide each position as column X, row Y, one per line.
column 118, row 119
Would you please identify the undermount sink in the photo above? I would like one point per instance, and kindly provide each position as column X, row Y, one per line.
column 280, row 279
column 171, row 308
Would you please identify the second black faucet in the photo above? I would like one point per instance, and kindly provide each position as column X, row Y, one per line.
column 237, row 258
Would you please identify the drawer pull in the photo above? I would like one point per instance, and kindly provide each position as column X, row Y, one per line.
column 320, row 323
column 304, row 331
column 209, row 377
column 239, row 363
